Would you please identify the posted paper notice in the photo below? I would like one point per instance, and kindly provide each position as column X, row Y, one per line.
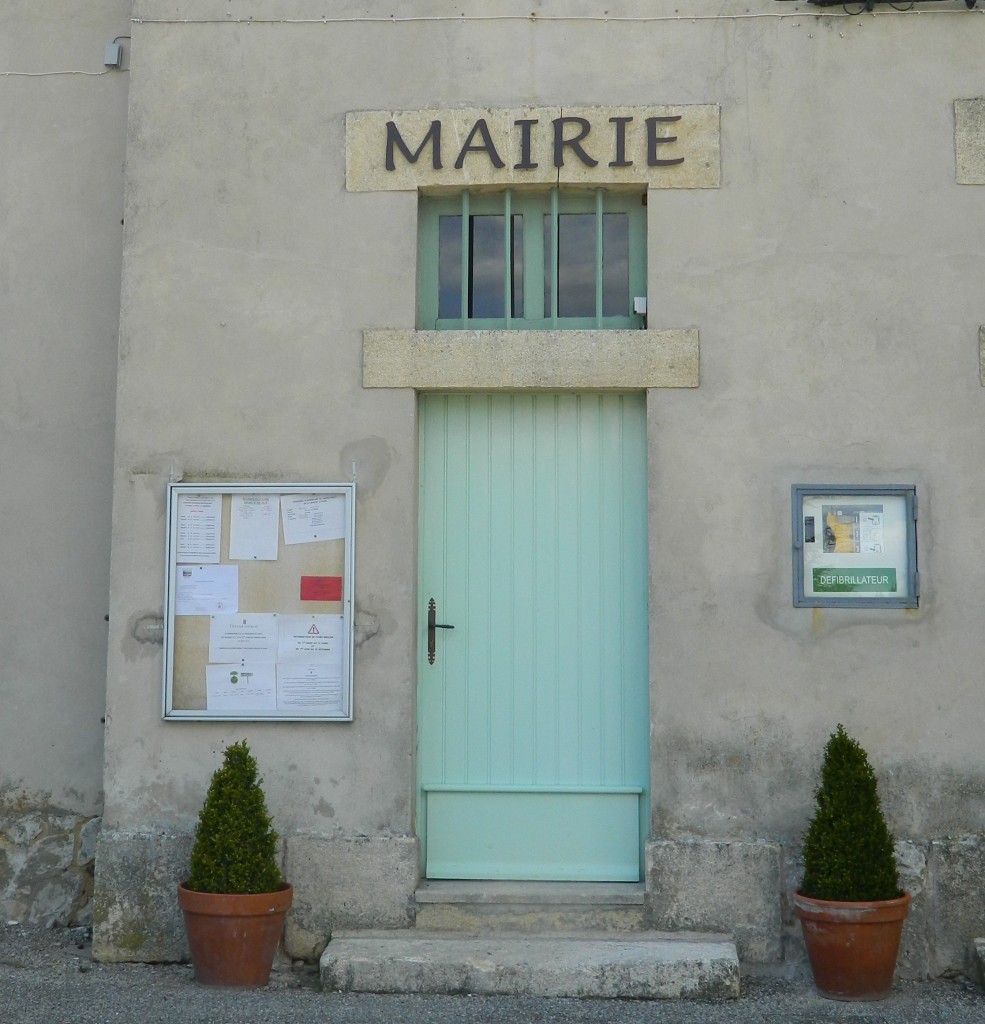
column 254, row 531
column 310, row 638
column 311, row 689
column 245, row 637
column 321, row 588
column 245, row 688
column 313, row 517
column 199, row 528
column 206, row 589
column 871, row 532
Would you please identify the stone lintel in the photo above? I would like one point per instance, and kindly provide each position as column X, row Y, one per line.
column 530, row 360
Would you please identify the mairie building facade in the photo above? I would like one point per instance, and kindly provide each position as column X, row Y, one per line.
column 534, row 431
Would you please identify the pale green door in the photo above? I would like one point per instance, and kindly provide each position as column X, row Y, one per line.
column 534, row 715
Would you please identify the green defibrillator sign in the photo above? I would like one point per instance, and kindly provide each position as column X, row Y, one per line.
column 854, row 581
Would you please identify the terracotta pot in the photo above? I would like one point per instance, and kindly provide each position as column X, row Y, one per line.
column 852, row 946
column 233, row 938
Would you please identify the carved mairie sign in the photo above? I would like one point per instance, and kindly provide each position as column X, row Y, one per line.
column 660, row 146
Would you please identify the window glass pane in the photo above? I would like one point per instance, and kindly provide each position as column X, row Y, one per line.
column 487, row 266
column 449, row 267
column 615, row 264
column 482, row 276
column 576, row 264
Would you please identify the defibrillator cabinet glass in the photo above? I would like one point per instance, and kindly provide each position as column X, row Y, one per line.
column 855, row 546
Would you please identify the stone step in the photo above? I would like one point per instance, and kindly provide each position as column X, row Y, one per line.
column 601, row 965
column 535, row 907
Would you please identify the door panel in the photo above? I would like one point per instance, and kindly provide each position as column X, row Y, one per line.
column 476, row 833
column 534, row 718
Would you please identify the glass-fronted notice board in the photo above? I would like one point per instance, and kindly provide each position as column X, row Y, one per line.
column 258, row 603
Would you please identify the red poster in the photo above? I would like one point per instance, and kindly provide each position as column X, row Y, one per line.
column 321, row 588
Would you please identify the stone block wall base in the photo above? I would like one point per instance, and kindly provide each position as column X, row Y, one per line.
column 135, row 907
column 347, row 883
column 741, row 888
column 707, row 885
column 46, row 867
column 744, row 888
column 915, row 952
column 956, row 911
column 343, row 882
column 946, row 878
column 978, row 962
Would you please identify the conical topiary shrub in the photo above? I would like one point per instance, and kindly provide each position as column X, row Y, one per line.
column 850, row 905
column 235, row 844
column 848, row 849
column 234, row 901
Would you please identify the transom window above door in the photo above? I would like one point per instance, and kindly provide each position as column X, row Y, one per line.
column 521, row 260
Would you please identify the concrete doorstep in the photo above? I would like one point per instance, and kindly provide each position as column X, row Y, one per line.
column 639, row 965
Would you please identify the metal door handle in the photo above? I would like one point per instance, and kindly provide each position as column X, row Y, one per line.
column 432, row 626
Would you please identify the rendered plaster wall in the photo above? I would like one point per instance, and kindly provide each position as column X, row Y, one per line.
column 62, row 136
column 833, row 281
column 834, row 278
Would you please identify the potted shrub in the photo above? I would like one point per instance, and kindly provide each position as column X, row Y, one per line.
column 234, row 900
column 850, row 904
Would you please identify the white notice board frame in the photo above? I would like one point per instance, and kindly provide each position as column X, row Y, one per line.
column 266, row 635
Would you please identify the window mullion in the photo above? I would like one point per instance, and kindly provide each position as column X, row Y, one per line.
column 466, row 258
column 555, row 283
column 638, row 276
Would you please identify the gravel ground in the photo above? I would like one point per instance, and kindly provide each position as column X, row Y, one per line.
column 49, row 977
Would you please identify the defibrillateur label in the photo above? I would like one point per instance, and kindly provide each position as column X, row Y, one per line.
column 854, row 581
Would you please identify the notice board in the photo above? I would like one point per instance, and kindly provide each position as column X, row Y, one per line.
column 259, row 602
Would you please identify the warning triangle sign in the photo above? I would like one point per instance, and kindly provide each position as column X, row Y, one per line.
column 313, row 631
